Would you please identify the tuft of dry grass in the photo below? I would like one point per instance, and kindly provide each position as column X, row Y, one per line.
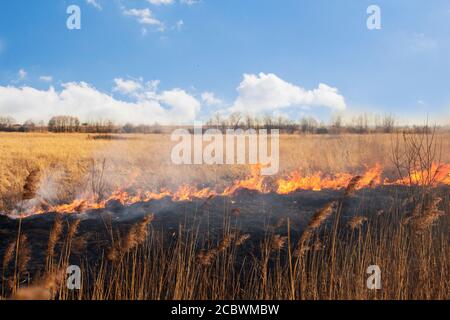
column 24, row 253
column 55, row 233
column 9, row 253
column 31, row 185
column 352, row 186
column 356, row 222
column 278, row 242
column 430, row 216
column 73, row 228
column 242, row 239
column 137, row 234
column 316, row 221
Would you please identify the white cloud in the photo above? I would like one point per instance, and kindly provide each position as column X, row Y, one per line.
column 267, row 92
column 159, row 2
column 22, row 74
column 210, row 99
column 95, row 4
column 422, row 43
column 87, row 103
column 46, row 78
column 189, row 2
column 181, row 101
column 143, row 16
column 179, row 24
column 146, row 103
column 126, row 86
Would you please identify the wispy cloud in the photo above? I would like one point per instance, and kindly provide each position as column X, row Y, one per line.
column 422, row 43
column 179, row 24
column 189, row 2
column 95, row 4
column 46, row 78
column 22, row 74
column 160, row 2
column 210, row 99
column 145, row 17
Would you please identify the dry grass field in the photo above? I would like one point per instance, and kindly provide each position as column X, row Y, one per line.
column 69, row 162
column 325, row 258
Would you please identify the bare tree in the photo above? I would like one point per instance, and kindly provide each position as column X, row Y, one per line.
column 29, row 126
column 6, row 122
column 234, row 120
column 388, row 123
column 336, row 123
column 417, row 156
column 308, row 125
column 64, row 124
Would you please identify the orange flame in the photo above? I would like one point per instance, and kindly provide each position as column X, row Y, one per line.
column 437, row 175
column 255, row 182
column 319, row 181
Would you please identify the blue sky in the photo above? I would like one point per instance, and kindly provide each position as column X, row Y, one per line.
column 199, row 53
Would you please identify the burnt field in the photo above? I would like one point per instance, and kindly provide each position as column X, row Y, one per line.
column 247, row 212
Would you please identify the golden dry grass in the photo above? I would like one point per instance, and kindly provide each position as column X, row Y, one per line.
column 70, row 163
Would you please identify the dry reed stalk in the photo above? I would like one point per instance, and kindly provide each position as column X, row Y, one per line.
column 79, row 245
column 206, row 257
column 9, row 253
column 318, row 245
column 356, row 222
column 278, row 242
column 113, row 253
column 427, row 219
column 225, row 243
column 351, row 187
column 242, row 239
column 417, row 211
column 24, row 253
column 137, row 234
column 321, row 216
column 31, row 185
column 55, row 233
column 316, row 221
column 73, row 229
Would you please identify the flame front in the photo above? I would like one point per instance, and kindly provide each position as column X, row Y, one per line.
column 436, row 175
column 319, row 181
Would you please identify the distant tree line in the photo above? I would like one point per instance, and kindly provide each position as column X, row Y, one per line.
column 306, row 125
column 361, row 124
column 69, row 124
